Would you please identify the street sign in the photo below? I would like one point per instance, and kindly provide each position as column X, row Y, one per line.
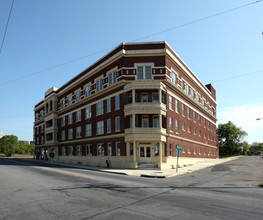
column 178, row 147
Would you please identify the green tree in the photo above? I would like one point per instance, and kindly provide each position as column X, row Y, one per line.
column 244, row 147
column 229, row 135
column 8, row 144
column 256, row 147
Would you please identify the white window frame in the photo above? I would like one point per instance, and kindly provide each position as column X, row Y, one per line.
column 109, row 149
column 78, row 115
column 88, row 112
column 78, row 132
column 63, row 135
column 109, row 125
column 117, row 124
column 117, row 102
column 99, row 108
column 118, row 146
column 144, row 65
column 70, row 133
column 100, row 127
column 100, row 149
column 88, row 130
column 70, row 118
column 109, row 105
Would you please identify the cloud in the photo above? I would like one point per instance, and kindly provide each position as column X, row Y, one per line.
column 245, row 116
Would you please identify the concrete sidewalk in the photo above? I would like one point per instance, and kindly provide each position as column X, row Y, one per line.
column 153, row 173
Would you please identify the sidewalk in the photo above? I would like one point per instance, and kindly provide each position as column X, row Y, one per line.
column 153, row 173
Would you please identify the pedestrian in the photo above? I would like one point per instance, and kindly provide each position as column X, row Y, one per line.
column 108, row 162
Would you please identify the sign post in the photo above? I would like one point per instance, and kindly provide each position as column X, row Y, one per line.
column 178, row 151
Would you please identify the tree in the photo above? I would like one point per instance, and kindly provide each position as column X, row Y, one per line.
column 244, row 147
column 8, row 144
column 229, row 135
column 256, row 147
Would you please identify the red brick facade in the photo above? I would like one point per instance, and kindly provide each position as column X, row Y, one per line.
column 131, row 94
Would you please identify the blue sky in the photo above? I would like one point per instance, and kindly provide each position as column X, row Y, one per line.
column 225, row 50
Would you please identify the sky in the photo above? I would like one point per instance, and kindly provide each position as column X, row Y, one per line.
column 49, row 42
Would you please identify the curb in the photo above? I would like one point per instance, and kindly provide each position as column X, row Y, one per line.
column 152, row 176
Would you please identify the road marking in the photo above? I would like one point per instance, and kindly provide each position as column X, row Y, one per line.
column 65, row 172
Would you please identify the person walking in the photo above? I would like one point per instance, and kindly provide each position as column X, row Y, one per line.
column 108, row 162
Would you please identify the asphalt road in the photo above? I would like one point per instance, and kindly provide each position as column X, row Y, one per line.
column 33, row 190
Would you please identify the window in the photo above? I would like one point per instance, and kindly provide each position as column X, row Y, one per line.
column 118, row 149
column 117, row 102
column 140, row 72
column 89, row 150
column 100, row 127
column 70, row 99
column 70, row 119
column 194, row 131
column 183, row 149
column 109, row 149
column 144, row 72
column 117, row 124
column 110, row 79
column 194, row 116
column 156, row 149
column 109, row 125
column 183, row 126
column 171, row 124
column 176, row 126
column 155, row 97
column 156, row 121
column 144, row 97
column 63, row 135
column 204, row 122
column 176, row 105
column 78, row 116
column 70, row 150
column 170, row 149
column 199, row 119
column 173, row 77
column 189, row 129
column 131, row 149
column 189, row 150
column 100, row 149
column 88, row 112
column 88, row 91
column 100, row 108
column 145, row 122
column 170, row 102
column 63, row 121
column 88, row 130
column 101, row 83
column 63, row 151
column 98, row 85
column 114, row 77
column 187, row 89
column 109, row 105
column 78, row 95
column 79, row 150
column 78, row 132
column 188, row 113
column 70, row 133
column 183, row 113
column 131, row 121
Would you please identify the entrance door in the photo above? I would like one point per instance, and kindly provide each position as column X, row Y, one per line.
column 145, row 154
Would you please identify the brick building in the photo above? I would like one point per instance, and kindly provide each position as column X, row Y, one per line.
column 134, row 105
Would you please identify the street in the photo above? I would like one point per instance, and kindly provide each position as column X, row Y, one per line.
column 35, row 190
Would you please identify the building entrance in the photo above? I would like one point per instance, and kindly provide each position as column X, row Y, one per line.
column 145, row 154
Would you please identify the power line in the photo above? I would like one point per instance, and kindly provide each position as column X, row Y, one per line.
column 3, row 40
column 237, row 76
column 79, row 58
column 198, row 20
